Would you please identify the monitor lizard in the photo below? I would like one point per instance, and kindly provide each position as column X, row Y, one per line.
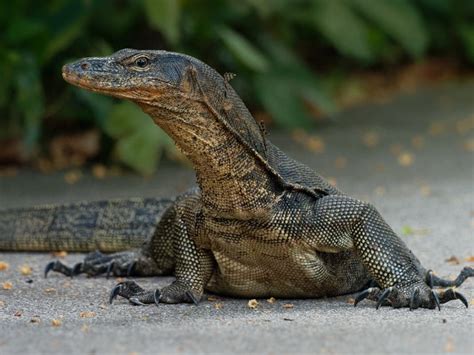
column 259, row 224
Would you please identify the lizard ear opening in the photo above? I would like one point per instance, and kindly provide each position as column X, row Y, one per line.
column 189, row 82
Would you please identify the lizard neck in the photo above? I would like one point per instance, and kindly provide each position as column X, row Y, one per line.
column 233, row 183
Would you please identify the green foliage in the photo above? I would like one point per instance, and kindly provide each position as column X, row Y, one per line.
column 163, row 15
column 400, row 20
column 29, row 97
column 140, row 141
column 29, row 40
column 289, row 88
column 466, row 32
column 269, row 43
column 348, row 34
column 243, row 50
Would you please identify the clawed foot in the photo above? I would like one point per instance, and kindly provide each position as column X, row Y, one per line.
column 134, row 293
column 425, row 299
column 418, row 295
column 96, row 263
column 177, row 292
column 61, row 268
column 433, row 280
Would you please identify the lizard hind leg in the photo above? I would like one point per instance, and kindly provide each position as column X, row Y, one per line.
column 416, row 297
column 400, row 277
column 129, row 263
column 412, row 296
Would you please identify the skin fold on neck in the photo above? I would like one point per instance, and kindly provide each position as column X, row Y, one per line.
column 232, row 181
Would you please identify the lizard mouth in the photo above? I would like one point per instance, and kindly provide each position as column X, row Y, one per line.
column 91, row 75
column 85, row 81
column 72, row 77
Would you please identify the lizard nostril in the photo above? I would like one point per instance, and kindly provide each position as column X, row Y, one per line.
column 85, row 66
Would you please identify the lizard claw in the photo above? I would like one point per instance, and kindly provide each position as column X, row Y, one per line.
column 461, row 297
column 109, row 269
column 114, row 293
column 59, row 267
column 48, row 268
column 430, row 279
column 436, row 299
column 130, row 268
column 136, row 302
column 415, row 299
column 451, row 294
column 76, row 269
column 192, row 297
column 157, row 296
column 383, row 297
column 132, row 292
column 361, row 296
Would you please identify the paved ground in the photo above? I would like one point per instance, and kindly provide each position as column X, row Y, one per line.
column 428, row 200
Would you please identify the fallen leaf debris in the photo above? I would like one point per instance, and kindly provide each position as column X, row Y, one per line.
column 252, row 304
column 4, row 266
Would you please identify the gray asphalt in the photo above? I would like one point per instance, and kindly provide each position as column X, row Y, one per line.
column 429, row 201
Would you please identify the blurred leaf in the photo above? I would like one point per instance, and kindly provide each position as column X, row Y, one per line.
column 400, row 19
column 65, row 25
column 29, row 98
column 265, row 8
column 141, row 151
column 99, row 104
column 62, row 40
column 6, row 73
column 163, row 15
column 284, row 106
column 23, row 30
column 466, row 32
column 139, row 141
column 114, row 19
column 438, row 6
column 297, row 74
column 282, row 93
column 243, row 50
column 281, row 54
column 102, row 47
column 342, row 28
column 316, row 95
column 407, row 230
column 124, row 118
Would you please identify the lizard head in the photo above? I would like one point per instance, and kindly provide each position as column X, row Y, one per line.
column 183, row 95
column 142, row 76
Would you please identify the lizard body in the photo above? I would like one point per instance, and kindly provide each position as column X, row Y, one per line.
column 259, row 224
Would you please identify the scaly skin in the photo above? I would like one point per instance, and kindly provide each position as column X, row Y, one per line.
column 109, row 226
column 260, row 224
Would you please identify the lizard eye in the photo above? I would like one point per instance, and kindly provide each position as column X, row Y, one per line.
column 141, row 62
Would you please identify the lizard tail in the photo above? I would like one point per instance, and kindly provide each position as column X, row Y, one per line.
column 108, row 226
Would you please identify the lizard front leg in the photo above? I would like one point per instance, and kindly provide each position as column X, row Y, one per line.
column 195, row 270
column 343, row 223
column 193, row 265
